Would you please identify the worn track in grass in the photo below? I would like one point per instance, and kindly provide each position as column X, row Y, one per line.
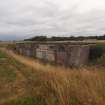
column 30, row 62
column 17, row 85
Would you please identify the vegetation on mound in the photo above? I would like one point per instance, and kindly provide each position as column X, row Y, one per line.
column 71, row 38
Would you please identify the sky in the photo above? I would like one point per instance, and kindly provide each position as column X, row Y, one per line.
column 21, row 19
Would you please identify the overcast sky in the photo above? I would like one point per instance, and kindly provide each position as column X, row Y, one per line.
column 27, row 18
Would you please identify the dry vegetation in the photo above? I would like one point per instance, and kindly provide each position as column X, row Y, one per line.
column 48, row 85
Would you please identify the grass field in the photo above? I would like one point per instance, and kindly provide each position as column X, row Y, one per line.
column 24, row 81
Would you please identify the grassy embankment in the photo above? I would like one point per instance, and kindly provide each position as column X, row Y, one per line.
column 33, row 83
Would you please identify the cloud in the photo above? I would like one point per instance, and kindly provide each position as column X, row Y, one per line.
column 26, row 18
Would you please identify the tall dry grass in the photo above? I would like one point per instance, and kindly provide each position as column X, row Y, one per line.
column 82, row 87
column 64, row 86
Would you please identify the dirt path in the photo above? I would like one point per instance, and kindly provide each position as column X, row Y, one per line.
column 19, row 84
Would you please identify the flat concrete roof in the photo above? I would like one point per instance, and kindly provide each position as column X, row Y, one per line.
column 59, row 42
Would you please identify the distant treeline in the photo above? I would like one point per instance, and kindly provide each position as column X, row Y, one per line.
column 56, row 38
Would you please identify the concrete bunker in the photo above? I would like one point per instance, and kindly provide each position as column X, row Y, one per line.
column 60, row 53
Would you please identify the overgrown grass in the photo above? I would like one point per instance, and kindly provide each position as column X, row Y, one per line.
column 81, row 87
column 2, row 55
column 49, row 85
column 25, row 100
column 9, row 79
column 7, row 74
column 84, row 86
column 97, row 54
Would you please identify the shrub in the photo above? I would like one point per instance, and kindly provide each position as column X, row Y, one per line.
column 96, row 52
